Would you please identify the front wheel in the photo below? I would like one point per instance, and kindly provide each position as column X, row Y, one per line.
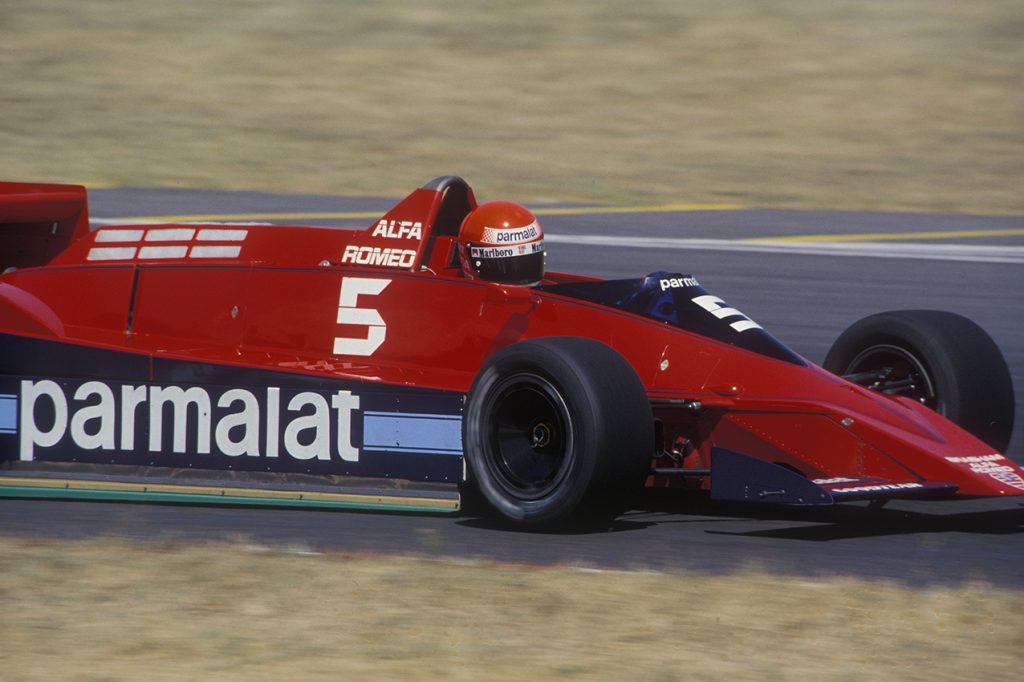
column 557, row 430
column 940, row 359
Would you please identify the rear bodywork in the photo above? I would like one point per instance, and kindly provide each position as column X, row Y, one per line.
column 38, row 221
column 292, row 364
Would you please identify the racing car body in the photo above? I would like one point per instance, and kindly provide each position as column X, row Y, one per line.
column 325, row 365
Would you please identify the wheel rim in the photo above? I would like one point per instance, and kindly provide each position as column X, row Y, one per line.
column 898, row 372
column 529, row 448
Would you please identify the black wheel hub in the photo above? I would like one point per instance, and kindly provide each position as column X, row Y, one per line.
column 530, row 439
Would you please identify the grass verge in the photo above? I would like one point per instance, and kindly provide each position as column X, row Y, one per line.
column 874, row 104
column 109, row 609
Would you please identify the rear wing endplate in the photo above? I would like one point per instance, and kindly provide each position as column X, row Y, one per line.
column 38, row 221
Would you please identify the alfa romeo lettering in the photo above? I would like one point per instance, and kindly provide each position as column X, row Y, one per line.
column 398, row 229
column 235, row 422
column 374, row 255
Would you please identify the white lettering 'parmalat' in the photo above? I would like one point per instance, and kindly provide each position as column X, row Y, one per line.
column 95, row 410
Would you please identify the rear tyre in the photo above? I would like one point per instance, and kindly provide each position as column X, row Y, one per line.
column 941, row 359
column 557, row 431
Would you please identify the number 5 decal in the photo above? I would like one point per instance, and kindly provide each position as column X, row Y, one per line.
column 716, row 307
column 376, row 328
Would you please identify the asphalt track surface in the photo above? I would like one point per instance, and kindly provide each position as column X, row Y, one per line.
column 803, row 275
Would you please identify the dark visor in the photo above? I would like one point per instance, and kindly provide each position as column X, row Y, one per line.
column 526, row 269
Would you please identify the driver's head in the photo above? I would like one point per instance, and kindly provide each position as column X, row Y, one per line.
column 501, row 241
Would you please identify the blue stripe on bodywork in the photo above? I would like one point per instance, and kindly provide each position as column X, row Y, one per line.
column 397, row 455
column 436, row 434
column 8, row 413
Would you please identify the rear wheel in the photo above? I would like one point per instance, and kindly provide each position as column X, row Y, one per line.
column 557, row 430
column 941, row 359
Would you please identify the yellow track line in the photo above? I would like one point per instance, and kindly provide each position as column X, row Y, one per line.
column 659, row 208
column 582, row 210
column 888, row 236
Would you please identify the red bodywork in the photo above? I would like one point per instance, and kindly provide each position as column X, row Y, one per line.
column 390, row 306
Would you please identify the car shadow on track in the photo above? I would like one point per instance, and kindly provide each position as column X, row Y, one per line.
column 817, row 524
column 619, row 525
column 844, row 521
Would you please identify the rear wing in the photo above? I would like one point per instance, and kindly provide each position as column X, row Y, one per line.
column 38, row 221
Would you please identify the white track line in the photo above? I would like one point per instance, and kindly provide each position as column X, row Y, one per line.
column 887, row 249
column 948, row 252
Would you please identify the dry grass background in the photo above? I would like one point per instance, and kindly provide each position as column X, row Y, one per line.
column 914, row 104
column 106, row 610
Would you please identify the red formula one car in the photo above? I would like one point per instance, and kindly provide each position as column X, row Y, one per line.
column 324, row 366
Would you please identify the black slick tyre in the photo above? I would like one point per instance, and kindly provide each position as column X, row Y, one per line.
column 941, row 359
column 557, row 432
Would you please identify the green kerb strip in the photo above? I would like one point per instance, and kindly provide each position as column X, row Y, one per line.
column 193, row 498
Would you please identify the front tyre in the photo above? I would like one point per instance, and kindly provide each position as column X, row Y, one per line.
column 941, row 359
column 557, row 430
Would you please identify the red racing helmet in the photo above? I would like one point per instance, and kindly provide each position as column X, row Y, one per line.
column 501, row 241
